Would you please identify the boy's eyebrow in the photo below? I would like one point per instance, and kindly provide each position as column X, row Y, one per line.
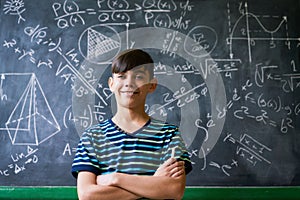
column 140, row 71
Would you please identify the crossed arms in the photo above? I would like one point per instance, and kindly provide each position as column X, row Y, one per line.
column 168, row 182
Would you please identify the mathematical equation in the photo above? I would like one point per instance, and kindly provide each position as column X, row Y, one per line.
column 20, row 161
column 68, row 14
column 232, row 55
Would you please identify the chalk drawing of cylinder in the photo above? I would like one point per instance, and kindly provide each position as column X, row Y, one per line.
column 32, row 121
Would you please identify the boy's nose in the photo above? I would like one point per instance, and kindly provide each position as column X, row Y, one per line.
column 129, row 81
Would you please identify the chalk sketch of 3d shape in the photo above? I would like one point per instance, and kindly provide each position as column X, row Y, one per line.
column 32, row 121
column 99, row 44
column 95, row 46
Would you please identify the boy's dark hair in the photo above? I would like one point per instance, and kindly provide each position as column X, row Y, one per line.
column 132, row 58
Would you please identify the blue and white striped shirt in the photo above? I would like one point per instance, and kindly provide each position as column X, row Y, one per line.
column 105, row 148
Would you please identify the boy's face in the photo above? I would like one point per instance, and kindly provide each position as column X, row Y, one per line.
column 131, row 88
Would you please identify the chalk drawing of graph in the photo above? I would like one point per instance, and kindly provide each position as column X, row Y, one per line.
column 252, row 29
column 31, row 121
column 99, row 44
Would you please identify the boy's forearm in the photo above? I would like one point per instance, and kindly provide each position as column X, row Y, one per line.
column 105, row 193
column 153, row 187
column 88, row 189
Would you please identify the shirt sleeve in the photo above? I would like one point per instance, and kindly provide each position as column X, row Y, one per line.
column 85, row 157
column 177, row 147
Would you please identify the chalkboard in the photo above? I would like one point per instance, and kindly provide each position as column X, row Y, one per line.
column 228, row 73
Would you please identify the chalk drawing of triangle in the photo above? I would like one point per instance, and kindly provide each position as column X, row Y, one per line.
column 99, row 44
column 32, row 121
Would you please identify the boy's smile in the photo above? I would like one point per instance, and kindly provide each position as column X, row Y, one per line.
column 129, row 93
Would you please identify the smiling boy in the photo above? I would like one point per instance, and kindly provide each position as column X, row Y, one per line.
column 131, row 155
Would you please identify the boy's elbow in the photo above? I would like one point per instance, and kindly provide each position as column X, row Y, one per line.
column 84, row 194
column 178, row 190
column 177, row 195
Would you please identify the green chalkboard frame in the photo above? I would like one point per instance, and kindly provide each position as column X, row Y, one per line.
column 191, row 193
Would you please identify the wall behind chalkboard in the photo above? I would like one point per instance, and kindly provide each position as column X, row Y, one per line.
column 228, row 72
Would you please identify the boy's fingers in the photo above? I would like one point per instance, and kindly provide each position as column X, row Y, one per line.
column 178, row 164
column 170, row 161
column 178, row 171
column 177, row 168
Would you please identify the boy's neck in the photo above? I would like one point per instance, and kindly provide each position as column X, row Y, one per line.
column 130, row 121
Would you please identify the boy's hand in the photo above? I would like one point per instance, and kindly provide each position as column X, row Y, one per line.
column 171, row 168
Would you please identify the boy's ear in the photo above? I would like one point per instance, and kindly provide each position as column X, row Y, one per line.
column 110, row 83
column 153, row 85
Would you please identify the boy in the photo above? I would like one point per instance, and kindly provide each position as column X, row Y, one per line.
column 131, row 155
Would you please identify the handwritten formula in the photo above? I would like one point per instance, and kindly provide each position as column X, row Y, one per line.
column 228, row 76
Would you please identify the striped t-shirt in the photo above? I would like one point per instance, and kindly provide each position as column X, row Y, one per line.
column 105, row 148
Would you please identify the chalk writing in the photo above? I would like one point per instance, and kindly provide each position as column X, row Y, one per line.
column 249, row 149
column 20, row 161
column 228, row 76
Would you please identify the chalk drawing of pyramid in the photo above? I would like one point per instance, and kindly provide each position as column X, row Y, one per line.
column 99, row 44
column 32, row 122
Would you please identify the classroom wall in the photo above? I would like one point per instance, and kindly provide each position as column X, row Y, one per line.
column 228, row 74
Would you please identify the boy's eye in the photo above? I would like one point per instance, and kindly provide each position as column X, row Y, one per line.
column 139, row 76
column 121, row 76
